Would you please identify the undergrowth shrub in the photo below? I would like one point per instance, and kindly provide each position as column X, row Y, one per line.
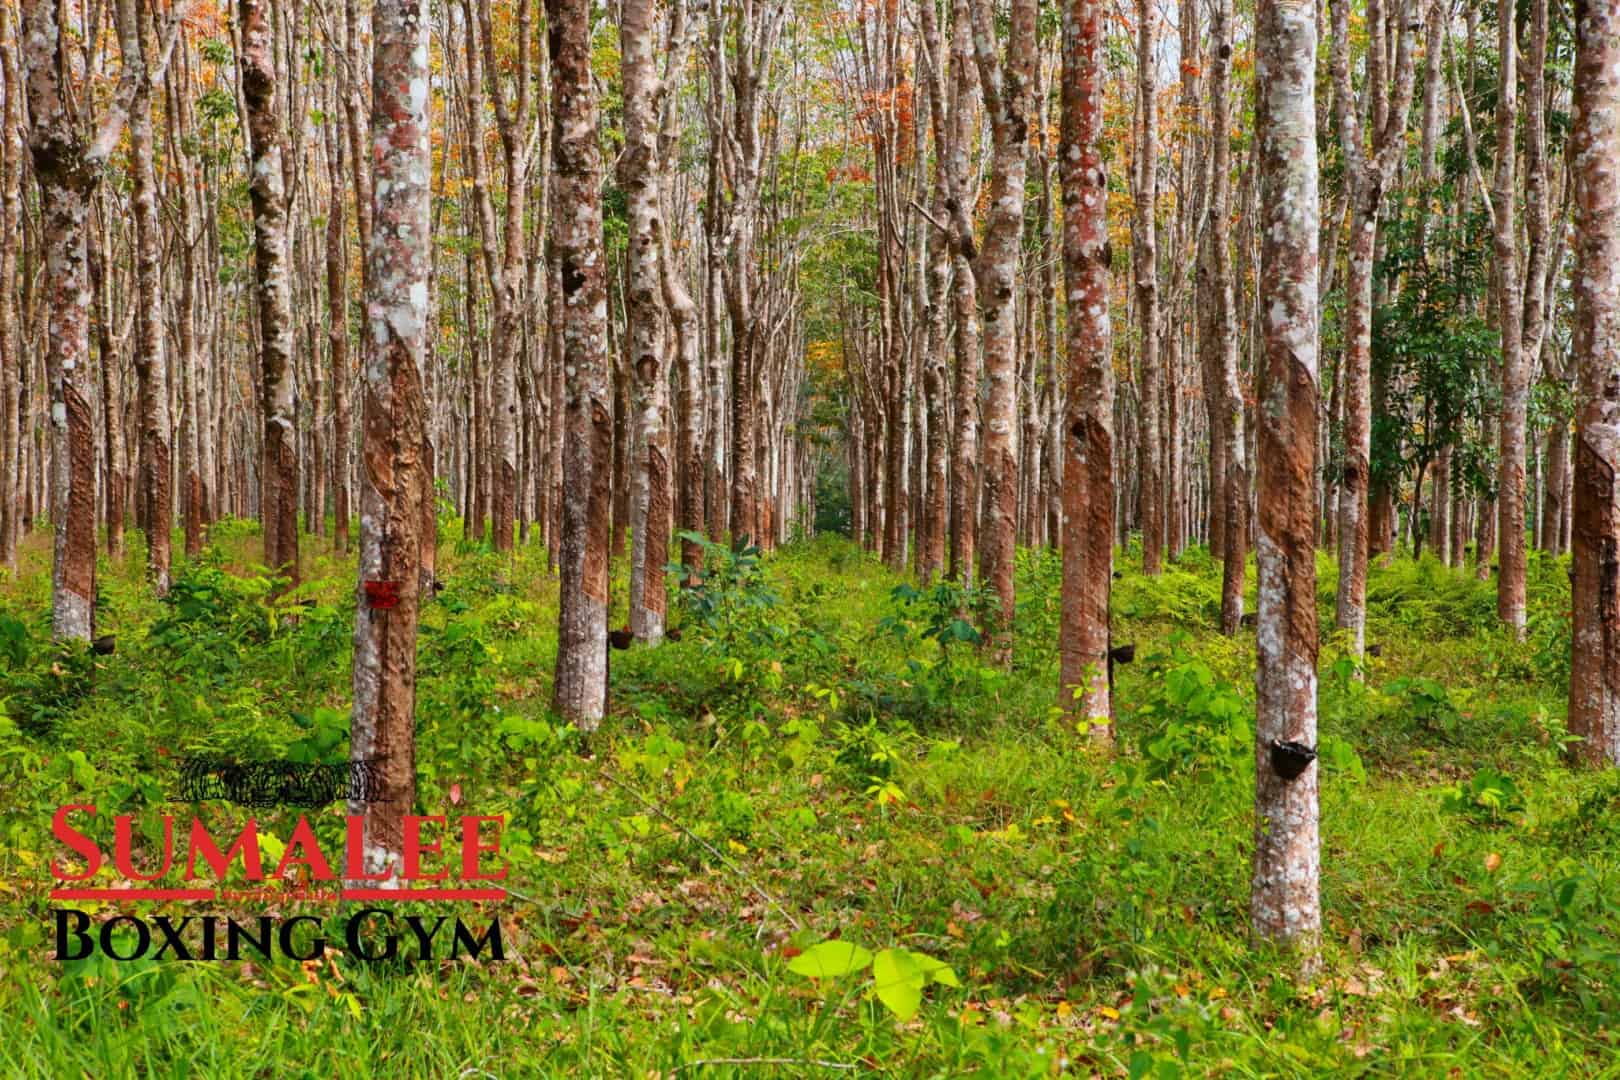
column 1431, row 599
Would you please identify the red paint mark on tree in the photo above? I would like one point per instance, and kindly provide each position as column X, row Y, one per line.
column 382, row 595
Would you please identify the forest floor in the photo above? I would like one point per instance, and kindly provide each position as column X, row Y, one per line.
column 822, row 756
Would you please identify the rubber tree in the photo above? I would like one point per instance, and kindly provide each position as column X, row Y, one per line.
column 1284, row 901
column 1594, row 680
column 1088, row 429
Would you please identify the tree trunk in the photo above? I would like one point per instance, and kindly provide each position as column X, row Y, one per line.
column 1231, row 484
column 1440, row 507
column 1084, row 692
column 1145, row 267
column 151, row 353
column 114, row 482
column 1367, row 175
column 581, row 678
column 1007, row 88
column 11, row 360
column 54, row 70
column 1284, row 903
column 1594, row 151
column 186, row 317
column 266, row 189
column 639, row 175
column 964, row 500
column 1554, row 504
column 689, row 409
column 1510, row 585
column 337, row 337
column 395, row 480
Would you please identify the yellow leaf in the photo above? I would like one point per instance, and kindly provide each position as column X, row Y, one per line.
column 1492, row 862
column 1108, row 1011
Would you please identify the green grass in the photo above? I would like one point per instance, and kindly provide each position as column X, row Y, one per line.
column 809, row 763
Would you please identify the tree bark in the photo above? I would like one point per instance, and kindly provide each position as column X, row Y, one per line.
column 1008, row 91
column 395, row 480
column 151, row 353
column 1594, row 681
column 115, row 488
column 1368, row 174
column 192, row 492
column 964, row 525
column 581, row 679
column 1145, row 268
column 931, row 524
column 1226, row 410
column 337, row 338
column 1555, row 505
column 639, row 174
column 1510, row 586
column 267, row 191
column 1284, row 902
column 1088, row 446
column 11, row 361
column 66, row 173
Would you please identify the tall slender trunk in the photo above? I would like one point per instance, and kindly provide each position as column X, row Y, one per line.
column 1145, row 268
column 931, row 525
column 683, row 316
column 1555, row 505
column 964, row 479
column 1008, row 87
column 54, row 73
column 1226, row 411
column 151, row 353
column 1538, row 259
column 639, row 175
column 1594, row 679
column 115, row 490
column 689, row 409
column 1514, row 413
column 581, row 678
column 186, row 317
column 1088, row 446
column 11, row 360
column 267, row 192
column 1285, row 906
column 337, row 337
column 395, row 480
column 1368, row 173
column 1440, row 507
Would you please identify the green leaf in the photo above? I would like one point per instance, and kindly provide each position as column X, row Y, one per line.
column 831, row 960
column 900, row 975
column 898, row 982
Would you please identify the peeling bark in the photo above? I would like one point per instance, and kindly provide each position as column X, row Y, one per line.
column 1594, row 683
column 639, row 175
column 1088, row 445
column 11, row 151
column 277, row 374
column 1008, row 87
column 1510, row 319
column 151, row 353
column 1145, row 268
column 395, row 480
column 1369, row 172
column 964, row 525
column 1226, row 407
column 580, row 689
column 54, row 73
column 1284, row 902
